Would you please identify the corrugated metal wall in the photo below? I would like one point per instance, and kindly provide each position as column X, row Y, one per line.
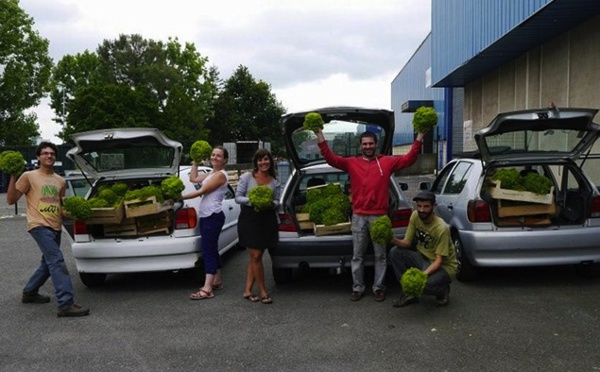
column 463, row 28
column 413, row 82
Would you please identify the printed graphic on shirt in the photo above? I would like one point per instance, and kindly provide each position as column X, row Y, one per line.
column 423, row 238
column 49, row 204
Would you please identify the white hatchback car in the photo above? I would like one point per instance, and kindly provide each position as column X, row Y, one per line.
column 141, row 157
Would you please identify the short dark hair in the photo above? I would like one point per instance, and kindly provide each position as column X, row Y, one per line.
column 366, row 135
column 225, row 152
column 45, row 144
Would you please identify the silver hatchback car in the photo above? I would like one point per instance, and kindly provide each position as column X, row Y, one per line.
column 499, row 228
column 300, row 245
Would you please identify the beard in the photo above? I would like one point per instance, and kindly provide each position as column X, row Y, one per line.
column 424, row 216
column 368, row 153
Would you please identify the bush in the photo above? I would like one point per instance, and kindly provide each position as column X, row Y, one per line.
column 424, row 119
column 261, row 198
column 12, row 162
column 313, row 121
column 413, row 282
column 381, row 230
column 200, row 151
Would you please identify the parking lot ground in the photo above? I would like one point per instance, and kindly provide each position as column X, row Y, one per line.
column 526, row 319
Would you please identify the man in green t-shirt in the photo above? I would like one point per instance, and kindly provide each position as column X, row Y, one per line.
column 435, row 253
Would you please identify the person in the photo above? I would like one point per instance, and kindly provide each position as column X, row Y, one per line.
column 44, row 191
column 213, row 189
column 257, row 230
column 435, row 253
column 369, row 181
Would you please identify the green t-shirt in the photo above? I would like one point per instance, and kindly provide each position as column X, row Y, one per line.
column 433, row 239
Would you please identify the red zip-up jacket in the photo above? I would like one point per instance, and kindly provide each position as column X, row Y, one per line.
column 369, row 180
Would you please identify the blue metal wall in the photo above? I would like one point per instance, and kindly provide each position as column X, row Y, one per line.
column 411, row 84
column 463, row 28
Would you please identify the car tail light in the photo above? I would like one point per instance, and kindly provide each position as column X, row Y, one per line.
column 400, row 217
column 80, row 228
column 595, row 207
column 479, row 211
column 186, row 218
column 286, row 223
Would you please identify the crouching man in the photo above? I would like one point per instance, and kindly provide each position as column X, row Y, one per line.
column 435, row 253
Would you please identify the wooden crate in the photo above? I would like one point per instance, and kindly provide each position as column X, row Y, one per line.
column 104, row 216
column 499, row 193
column 127, row 227
column 151, row 224
column 136, row 208
column 340, row 228
column 518, row 209
column 304, row 221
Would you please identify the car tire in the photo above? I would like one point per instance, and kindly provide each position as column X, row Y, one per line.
column 588, row 270
column 466, row 272
column 92, row 280
column 282, row 275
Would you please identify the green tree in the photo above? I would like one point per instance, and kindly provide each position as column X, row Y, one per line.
column 134, row 82
column 24, row 73
column 246, row 109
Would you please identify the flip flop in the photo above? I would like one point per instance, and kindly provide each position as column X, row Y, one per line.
column 266, row 300
column 217, row 287
column 252, row 298
column 201, row 295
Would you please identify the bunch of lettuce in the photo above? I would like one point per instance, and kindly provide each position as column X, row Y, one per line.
column 537, row 183
column 12, row 162
column 200, row 151
column 413, row 282
column 510, row 179
column 327, row 205
column 172, row 187
column 313, row 121
column 261, row 198
column 424, row 119
column 77, row 208
column 381, row 230
column 145, row 193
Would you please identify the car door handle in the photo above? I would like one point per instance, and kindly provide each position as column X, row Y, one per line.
column 230, row 207
column 450, row 206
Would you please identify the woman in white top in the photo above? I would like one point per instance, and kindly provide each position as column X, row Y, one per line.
column 212, row 218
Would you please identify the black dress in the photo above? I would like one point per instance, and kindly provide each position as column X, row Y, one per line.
column 257, row 230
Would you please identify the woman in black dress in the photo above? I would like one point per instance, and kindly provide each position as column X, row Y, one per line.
column 257, row 230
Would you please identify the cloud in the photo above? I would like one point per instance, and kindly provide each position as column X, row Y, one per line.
column 309, row 51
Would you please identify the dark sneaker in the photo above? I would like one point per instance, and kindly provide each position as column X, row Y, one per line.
column 355, row 296
column 73, row 310
column 34, row 298
column 379, row 295
column 405, row 301
column 442, row 300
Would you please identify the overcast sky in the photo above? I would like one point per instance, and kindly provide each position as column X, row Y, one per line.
column 313, row 53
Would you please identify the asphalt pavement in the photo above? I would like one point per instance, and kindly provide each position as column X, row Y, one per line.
column 528, row 319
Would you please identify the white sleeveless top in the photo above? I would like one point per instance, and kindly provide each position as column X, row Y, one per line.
column 212, row 202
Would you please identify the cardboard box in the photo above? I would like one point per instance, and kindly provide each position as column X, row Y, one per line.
column 518, row 209
column 104, row 216
column 136, row 208
column 127, row 227
column 499, row 193
column 340, row 228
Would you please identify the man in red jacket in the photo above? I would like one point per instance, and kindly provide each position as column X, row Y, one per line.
column 369, row 181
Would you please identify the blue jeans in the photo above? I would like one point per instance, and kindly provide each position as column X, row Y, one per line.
column 361, row 237
column 51, row 266
column 210, row 230
column 403, row 259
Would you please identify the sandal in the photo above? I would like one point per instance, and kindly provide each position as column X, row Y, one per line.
column 201, row 295
column 217, row 287
column 252, row 298
column 266, row 299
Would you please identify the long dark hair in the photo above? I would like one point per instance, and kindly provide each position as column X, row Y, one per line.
column 259, row 154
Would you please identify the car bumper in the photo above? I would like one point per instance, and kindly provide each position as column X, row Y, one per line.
column 531, row 248
column 136, row 255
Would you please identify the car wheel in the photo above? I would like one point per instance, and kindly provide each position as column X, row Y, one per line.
column 92, row 279
column 466, row 271
column 588, row 270
column 282, row 276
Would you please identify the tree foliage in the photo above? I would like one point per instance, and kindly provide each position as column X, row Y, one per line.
column 246, row 109
column 134, row 82
column 24, row 72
